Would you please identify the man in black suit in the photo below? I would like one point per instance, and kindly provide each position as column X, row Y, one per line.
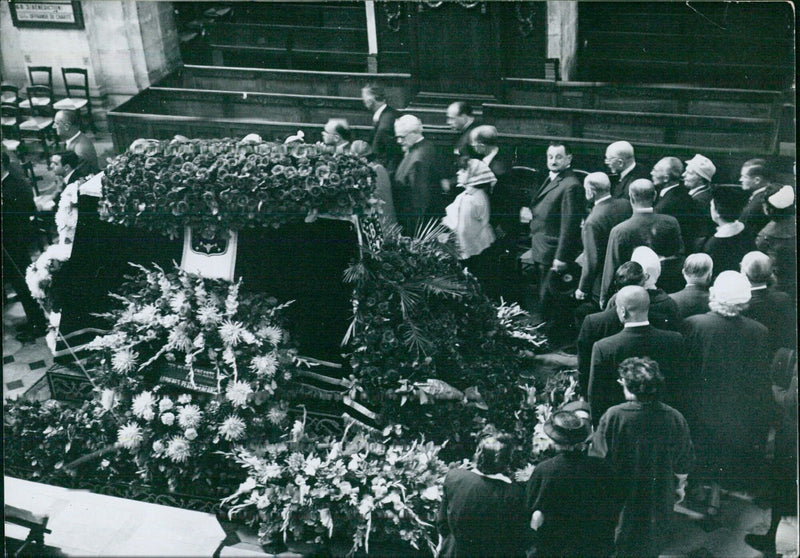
column 622, row 167
column 416, row 180
column 637, row 339
column 693, row 299
column 769, row 306
column 673, row 199
column 697, row 180
column 384, row 146
column 555, row 211
column 755, row 178
column 607, row 212
column 18, row 210
column 639, row 230
column 460, row 119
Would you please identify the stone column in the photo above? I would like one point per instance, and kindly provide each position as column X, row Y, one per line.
column 562, row 35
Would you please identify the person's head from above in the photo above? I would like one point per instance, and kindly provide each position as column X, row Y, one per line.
column 361, row 148
column 568, row 430
column 629, row 273
column 667, row 172
column 779, row 202
column 699, row 172
column 641, row 379
column 559, row 157
column 459, row 115
column 483, row 139
column 755, row 175
column 476, row 174
column 663, row 241
column 642, row 193
column 596, row 185
column 408, row 131
column 757, row 267
column 373, row 96
column 580, row 407
column 619, row 156
column 729, row 294
column 66, row 123
column 632, row 304
column 64, row 162
column 494, row 452
column 697, row 269
column 727, row 203
column 336, row 132
column 651, row 264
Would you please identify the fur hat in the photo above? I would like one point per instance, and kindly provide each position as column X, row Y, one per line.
column 702, row 166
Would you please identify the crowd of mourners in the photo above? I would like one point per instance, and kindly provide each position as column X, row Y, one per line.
column 678, row 296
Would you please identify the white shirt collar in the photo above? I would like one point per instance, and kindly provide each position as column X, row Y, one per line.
column 601, row 200
column 698, row 189
column 553, row 175
column 495, row 476
column 667, row 189
column 637, row 324
column 627, row 171
column 642, row 209
column 377, row 115
column 728, row 230
column 491, row 155
column 759, row 288
column 70, row 140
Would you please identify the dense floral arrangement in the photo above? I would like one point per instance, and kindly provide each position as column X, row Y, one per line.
column 67, row 213
column 356, row 486
column 42, row 276
column 223, row 184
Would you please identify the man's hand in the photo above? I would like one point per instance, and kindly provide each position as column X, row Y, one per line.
column 44, row 203
column 559, row 266
column 445, row 184
column 525, row 215
column 580, row 295
column 536, row 520
column 680, row 490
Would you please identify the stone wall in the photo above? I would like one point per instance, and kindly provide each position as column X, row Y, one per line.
column 125, row 45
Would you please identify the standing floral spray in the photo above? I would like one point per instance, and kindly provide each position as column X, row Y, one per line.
column 42, row 276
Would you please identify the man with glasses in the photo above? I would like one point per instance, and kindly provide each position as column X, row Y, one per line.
column 66, row 125
column 622, row 168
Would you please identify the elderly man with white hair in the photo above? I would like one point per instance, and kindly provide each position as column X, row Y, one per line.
column 416, row 180
column 621, row 162
column 729, row 393
column 769, row 306
column 693, row 298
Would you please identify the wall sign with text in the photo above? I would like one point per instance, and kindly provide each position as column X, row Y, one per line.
column 63, row 14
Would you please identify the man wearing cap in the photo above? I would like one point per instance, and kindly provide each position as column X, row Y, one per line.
column 638, row 338
column 728, row 398
column 693, row 299
column 416, row 180
column 639, row 230
column 574, row 499
column 769, row 306
column 779, row 238
column 621, row 163
column 730, row 241
column 755, row 178
column 648, row 445
column 697, row 179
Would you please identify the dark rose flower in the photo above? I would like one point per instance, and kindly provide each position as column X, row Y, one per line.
column 333, row 167
column 304, row 171
column 297, row 194
column 188, row 168
column 228, row 180
column 343, row 200
column 278, row 169
column 226, row 196
column 290, row 172
column 348, row 182
column 202, row 175
column 334, row 179
column 180, row 208
column 262, row 194
column 150, row 162
column 280, row 194
column 315, row 191
column 243, row 201
column 299, row 151
column 176, row 161
column 322, row 171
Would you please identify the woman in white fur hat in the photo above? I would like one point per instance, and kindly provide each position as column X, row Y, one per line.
column 779, row 238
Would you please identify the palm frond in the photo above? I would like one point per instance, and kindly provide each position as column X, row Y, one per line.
column 448, row 285
column 356, row 273
column 408, row 300
column 428, row 232
column 414, row 338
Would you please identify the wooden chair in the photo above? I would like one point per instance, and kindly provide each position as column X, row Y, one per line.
column 43, row 222
column 9, row 94
column 39, row 76
column 76, row 80
column 9, row 118
column 37, row 528
column 40, row 122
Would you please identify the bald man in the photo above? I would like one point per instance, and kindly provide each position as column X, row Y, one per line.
column 769, row 306
column 607, row 212
column 639, row 230
column 621, row 163
column 416, row 180
column 637, row 339
column 66, row 125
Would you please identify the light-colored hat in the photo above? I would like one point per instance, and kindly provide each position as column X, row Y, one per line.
column 702, row 166
column 299, row 136
column 783, row 198
column 477, row 173
column 649, row 260
column 731, row 287
column 252, row 138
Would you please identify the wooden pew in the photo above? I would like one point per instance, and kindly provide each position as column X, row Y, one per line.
column 672, row 99
column 303, row 82
column 610, row 125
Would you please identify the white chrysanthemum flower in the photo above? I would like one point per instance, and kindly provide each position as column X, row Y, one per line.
column 165, row 404
column 232, row 428
column 190, row 416
column 108, row 399
column 190, row 434
column 184, row 398
column 276, row 415
column 271, row 471
column 248, row 337
column 237, row 393
column 158, row 447
column 265, row 365
column 149, row 415
column 178, row 339
column 177, row 301
column 271, row 333
column 130, row 436
column 146, row 315
column 311, row 466
column 208, row 315
column 143, row 403
column 231, row 332
column 178, row 449
column 232, row 300
column 168, row 419
column 110, row 341
column 169, row 321
column 199, row 342
column 123, row 361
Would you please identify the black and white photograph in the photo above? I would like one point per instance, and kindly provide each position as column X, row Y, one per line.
column 371, row 278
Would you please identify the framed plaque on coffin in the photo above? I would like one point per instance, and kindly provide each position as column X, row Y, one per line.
column 208, row 254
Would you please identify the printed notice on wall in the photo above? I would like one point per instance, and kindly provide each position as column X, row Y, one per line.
column 52, row 13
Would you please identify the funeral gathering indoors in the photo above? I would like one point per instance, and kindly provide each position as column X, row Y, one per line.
column 416, row 279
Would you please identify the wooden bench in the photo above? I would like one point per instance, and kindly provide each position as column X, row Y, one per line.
column 700, row 131
column 671, row 99
column 303, row 82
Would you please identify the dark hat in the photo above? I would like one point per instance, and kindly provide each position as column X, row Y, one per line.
column 567, row 428
column 577, row 407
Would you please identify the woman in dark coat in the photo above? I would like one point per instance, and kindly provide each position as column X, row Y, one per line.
column 482, row 513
